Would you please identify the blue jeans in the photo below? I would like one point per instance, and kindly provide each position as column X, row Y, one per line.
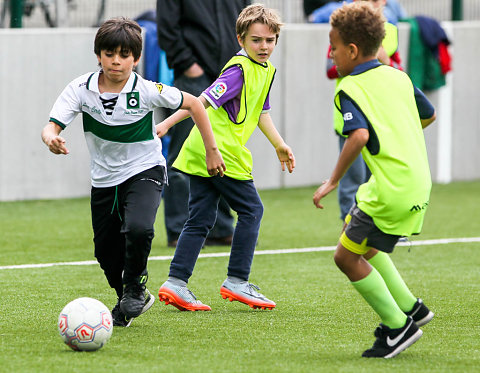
column 205, row 194
column 176, row 192
column 357, row 174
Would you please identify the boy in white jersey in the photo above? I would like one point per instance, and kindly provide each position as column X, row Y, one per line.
column 127, row 166
column 383, row 115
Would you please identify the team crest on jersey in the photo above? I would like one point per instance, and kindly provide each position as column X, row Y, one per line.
column 133, row 100
column 218, row 90
column 159, row 87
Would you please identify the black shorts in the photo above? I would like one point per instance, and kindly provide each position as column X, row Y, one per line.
column 361, row 234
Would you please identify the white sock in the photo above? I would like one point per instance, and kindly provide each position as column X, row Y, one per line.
column 176, row 281
column 236, row 280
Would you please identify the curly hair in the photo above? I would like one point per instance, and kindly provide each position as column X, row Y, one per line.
column 258, row 13
column 361, row 24
column 119, row 32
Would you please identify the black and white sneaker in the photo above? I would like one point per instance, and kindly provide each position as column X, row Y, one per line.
column 119, row 318
column 390, row 342
column 136, row 299
column 420, row 313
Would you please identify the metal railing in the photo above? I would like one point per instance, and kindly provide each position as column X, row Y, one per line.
column 52, row 13
column 442, row 10
column 88, row 13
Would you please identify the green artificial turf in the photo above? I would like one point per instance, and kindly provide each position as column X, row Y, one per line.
column 320, row 323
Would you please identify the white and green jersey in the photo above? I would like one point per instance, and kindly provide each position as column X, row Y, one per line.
column 121, row 139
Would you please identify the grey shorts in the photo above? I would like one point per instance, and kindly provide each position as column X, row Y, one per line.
column 362, row 233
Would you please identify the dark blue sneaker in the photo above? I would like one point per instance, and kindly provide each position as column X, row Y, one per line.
column 420, row 313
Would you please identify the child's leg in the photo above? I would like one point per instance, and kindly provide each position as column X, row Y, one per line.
column 357, row 174
column 243, row 198
column 401, row 293
column 139, row 199
column 109, row 242
column 203, row 204
column 369, row 283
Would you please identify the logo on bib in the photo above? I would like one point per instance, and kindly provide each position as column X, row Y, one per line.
column 133, row 100
column 218, row 90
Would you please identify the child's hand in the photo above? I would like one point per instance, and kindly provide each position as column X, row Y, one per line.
column 286, row 157
column 215, row 164
column 56, row 144
column 161, row 129
column 321, row 192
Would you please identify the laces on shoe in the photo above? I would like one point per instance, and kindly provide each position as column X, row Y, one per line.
column 253, row 289
column 191, row 297
column 381, row 331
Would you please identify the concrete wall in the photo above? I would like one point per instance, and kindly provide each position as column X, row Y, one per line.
column 36, row 64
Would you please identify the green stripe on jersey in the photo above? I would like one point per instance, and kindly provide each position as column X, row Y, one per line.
column 128, row 133
column 58, row 122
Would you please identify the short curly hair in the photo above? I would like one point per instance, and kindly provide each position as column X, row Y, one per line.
column 258, row 13
column 361, row 24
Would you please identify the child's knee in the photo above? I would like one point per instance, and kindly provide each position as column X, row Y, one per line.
column 258, row 211
column 339, row 260
column 345, row 259
column 255, row 214
column 137, row 232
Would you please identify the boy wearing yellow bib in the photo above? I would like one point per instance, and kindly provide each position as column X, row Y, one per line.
column 358, row 173
column 237, row 102
column 383, row 116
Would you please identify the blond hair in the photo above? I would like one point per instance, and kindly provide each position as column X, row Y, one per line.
column 361, row 24
column 258, row 13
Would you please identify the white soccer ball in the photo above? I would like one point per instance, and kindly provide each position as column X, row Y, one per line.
column 85, row 324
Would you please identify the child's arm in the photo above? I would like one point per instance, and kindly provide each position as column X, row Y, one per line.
column 195, row 107
column 356, row 140
column 428, row 121
column 425, row 108
column 51, row 138
column 284, row 152
column 163, row 127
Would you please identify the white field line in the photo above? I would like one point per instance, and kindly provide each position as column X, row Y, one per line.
column 441, row 241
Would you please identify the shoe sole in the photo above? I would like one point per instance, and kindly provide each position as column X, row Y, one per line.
column 225, row 293
column 169, row 297
column 410, row 341
column 149, row 304
column 123, row 325
column 425, row 320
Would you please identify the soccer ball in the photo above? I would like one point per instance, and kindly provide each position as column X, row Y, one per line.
column 85, row 324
